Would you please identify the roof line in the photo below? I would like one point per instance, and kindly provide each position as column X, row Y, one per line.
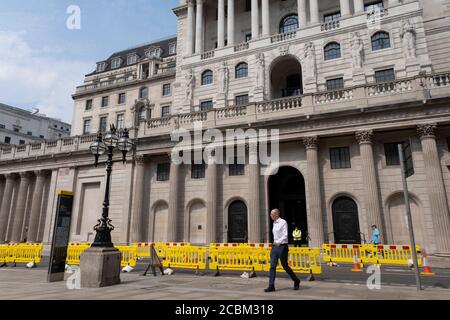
column 150, row 42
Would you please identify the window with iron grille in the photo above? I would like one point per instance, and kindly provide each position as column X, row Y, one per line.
column 241, row 70
column 335, row 84
column 165, row 111
column 105, row 101
column 166, row 89
column 88, row 104
column 331, row 17
column 391, row 153
column 241, row 100
column 236, row 169
column 380, row 40
column 340, row 158
column 198, row 171
column 385, row 75
column 163, row 172
column 7, row 140
column 207, row 77
column 206, row 105
column 120, row 121
column 103, row 124
column 121, row 99
column 289, row 23
column 332, row 51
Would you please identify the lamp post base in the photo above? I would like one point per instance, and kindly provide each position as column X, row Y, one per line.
column 100, row 267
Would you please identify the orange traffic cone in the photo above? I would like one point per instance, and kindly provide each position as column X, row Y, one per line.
column 426, row 270
column 356, row 266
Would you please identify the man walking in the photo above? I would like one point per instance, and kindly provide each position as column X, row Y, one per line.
column 280, row 250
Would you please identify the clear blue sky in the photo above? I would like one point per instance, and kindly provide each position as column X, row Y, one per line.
column 42, row 61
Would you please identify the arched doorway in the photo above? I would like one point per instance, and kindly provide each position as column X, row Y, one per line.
column 287, row 193
column 345, row 221
column 237, row 222
column 286, row 77
column 399, row 222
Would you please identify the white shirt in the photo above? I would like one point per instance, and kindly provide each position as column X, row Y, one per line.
column 280, row 231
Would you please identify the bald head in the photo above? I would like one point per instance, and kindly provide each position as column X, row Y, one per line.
column 275, row 214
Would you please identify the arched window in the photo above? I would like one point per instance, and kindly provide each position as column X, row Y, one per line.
column 380, row 40
column 143, row 93
column 207, row 77
column 241, row 70
column 289, row 23
column 142, row 114
column 332, row 51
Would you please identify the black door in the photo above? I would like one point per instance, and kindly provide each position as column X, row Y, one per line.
column 237, row 222
column 345, row 221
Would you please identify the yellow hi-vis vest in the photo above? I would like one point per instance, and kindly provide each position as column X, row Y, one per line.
column 297, row 234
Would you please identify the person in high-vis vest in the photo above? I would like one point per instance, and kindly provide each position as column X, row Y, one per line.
column 297, row 235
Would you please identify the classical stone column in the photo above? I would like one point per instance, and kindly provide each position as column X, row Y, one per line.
column 199, row 27
column 6, row 205
column 255, row 19
column 359, row 5
column 435, row 187
column 315, row 224
column 190, row 28
column 36, row 205
column 173, row 202
column 314, row 11
column 211, row 201
column 265, row 18
column 137, row 231
column 301, row 7
column 19, row 215
column 345, row 7
column 221, row 24
column 2, row 189
column 254, row 223
column 230, row 25
column 370, row 182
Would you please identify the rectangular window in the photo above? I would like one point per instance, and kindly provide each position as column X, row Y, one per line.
column 248, row 37
column 335, row 84
column 131, row 59
column 88, row 104
column 115, row 63
column 121, row 99
column 172, row 48
column 8, row 140
column 206, row 105
column 2, row 126
column 120, row 121
column 165, row 111
column 391, row 153
column 331, row 17
column 340, row 158
column 103, row 124
column 41, row 136
column 373, row 6
column 163, row 172
column 198, row 171
column 16, row 130
column 21, row 142
column 241, row 100
column 236, row 169
column 87, row 127
column 29, row 133
column 105, row 101
column 385, row 75
column 166, row 89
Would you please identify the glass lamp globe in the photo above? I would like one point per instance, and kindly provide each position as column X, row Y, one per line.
column 111, row 139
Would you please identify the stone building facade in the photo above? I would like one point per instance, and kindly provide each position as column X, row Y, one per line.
column 343, row 81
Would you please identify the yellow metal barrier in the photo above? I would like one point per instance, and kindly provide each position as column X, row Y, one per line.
column 143, row 248
column 24, row 253
column 185, row 257
column 129, row 256
column 74, row 252
column 237, row 257
column 390, row 254
column 4, row 253
column 301, row 260
column 343, row 253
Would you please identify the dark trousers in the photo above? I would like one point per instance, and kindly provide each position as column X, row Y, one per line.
column 297, row 243
column 282, row 254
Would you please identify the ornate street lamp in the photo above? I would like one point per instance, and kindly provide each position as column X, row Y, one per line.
column 108, row 144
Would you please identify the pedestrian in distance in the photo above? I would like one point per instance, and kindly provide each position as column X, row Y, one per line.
column 280, row 251
column 375, row 235
column 297, row 236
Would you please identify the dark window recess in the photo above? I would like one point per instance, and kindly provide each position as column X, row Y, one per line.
column 198, row 171
column 248, row 5
column 166, row 89
column 340, row 158
column 207, row 77
column 8, row 140
column 21, row 142
column 105, row 101
column 206, row 105
column 16, row 130
column 143, row 93
column 380, row 40
column 29, row 133
column 121, row 98
column 289, row 24
column 335, row 84
column 41, row 136
column 248, row 37
column 385, row 75
column 332, row 51
column 103, row 124
column 165, row 111
column 236, row 169
column 391, row 153
column 163, row 172
column 88, row 105
column 2, row 126
column 331, row 17
column 241, row 70
column 241, row 100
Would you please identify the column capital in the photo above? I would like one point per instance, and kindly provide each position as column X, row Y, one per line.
column 24, row 175
column 10, row 176
column 311, row 142
column 191, row 2
column 140, row 159
column 364, row 136
column 40, row 172
column 427, row 130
